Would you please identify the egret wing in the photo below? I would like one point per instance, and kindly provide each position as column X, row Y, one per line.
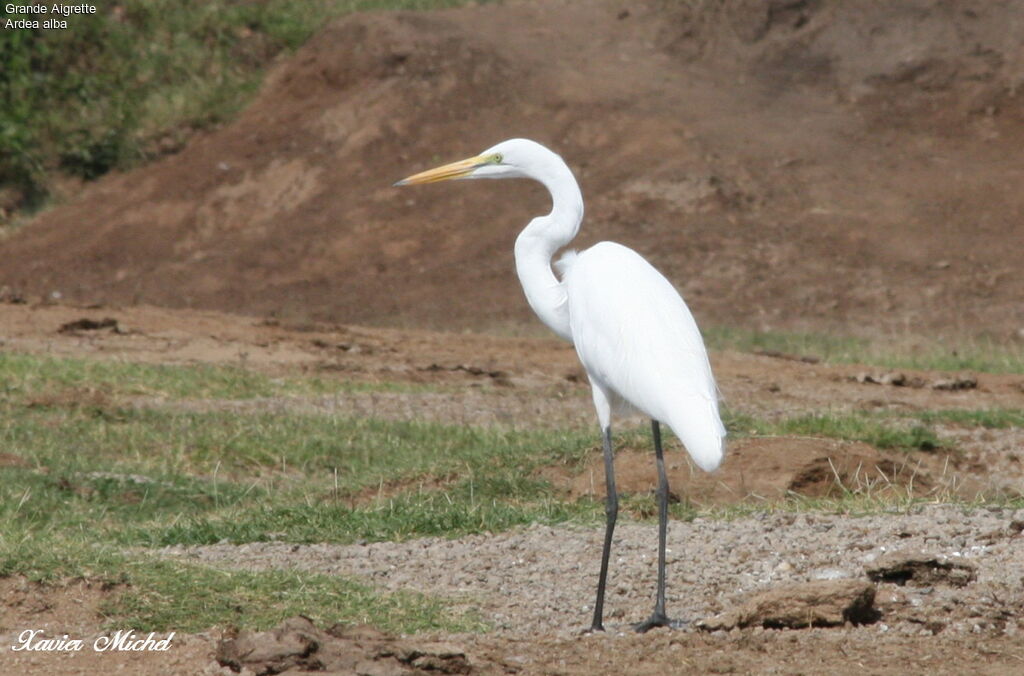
column 636, row 337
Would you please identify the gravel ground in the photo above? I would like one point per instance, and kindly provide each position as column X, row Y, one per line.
column 539, row 581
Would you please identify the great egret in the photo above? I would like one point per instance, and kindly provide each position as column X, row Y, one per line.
column 632, row 331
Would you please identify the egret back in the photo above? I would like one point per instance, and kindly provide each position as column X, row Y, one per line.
column 637, row 339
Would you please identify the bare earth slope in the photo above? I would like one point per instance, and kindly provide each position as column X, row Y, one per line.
column 790, row 164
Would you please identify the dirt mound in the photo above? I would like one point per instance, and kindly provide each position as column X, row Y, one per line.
column 759, row 469
column 791, row 164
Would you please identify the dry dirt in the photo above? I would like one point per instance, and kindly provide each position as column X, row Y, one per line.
column 535, row 585
column 791, row 164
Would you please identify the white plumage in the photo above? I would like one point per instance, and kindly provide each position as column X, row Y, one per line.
column 638, row 341
column 632, row 331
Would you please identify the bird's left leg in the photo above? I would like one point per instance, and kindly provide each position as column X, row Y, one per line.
column 602, row 404
column 611, row 511
column 658, row 618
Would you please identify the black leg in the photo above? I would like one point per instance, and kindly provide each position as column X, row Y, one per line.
column 611, row 511
column 658, row 617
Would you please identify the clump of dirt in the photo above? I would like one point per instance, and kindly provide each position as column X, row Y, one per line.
column 819, row 603
column 921, row 570
column 88, row 324
column 297, row 644
column 801, row 165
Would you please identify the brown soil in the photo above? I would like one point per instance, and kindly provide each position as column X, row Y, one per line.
column 794, row 163
column 75, row 609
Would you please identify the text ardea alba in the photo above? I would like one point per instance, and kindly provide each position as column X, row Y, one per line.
column 633, row 333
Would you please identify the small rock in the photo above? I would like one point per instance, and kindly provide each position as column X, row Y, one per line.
column 821, row 603
column 892, row 378
column 967, row 382
column 292, row 644
column 829, row 574
column 9, row 295
column 86, row 324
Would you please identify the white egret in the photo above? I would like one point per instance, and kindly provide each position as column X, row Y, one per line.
column 632, row 331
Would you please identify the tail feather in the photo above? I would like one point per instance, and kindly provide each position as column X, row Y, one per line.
column 702, row 433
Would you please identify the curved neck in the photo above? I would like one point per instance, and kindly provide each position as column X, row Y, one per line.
column 545, row 235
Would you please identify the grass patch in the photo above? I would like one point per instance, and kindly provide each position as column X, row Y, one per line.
column 25, row 377
column 84, row 466
column 968, row 354
column 817, row 345
column 155, row 594
column 82, row 477
column 79, row 483
column 432, row 513
column 162, row 597
column 47, row 382
column 988, row 418
column 878, row 430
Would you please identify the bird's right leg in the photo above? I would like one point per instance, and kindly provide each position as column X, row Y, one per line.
column 611, row 511
column 658, row 617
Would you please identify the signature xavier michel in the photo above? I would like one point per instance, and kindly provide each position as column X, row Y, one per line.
column 121, row 640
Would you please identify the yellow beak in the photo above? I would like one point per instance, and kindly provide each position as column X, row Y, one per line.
column 446, row 172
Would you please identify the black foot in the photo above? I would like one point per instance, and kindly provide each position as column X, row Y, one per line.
column 594, row 629
column 658, row 621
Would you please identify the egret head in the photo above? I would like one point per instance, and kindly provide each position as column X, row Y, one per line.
column 515, row 158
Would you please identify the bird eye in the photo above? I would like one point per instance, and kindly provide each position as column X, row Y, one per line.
column 497, row 158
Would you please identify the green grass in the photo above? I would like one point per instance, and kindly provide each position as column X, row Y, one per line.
column 159, row 594
column 967, row 354
column 879, row 430
column 264, row 473
column 136, row 79
column 47, row 381
column 79, row 483
column 25, row 376
column 988, row 418
column 435, row 513
column 153, row 478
